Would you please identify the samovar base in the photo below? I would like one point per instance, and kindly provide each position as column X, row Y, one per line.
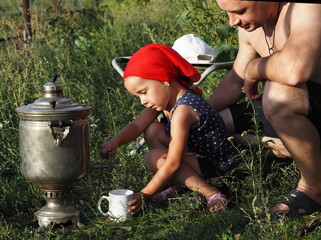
column 46, row 217
column 56, row 210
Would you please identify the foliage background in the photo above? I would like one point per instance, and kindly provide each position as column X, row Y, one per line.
column 80, row 46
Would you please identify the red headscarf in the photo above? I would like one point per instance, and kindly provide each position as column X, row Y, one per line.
column 162, row 63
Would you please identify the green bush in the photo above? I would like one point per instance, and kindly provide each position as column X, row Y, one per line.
column 207, row 21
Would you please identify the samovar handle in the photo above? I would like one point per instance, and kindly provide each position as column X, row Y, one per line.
column 61, row 123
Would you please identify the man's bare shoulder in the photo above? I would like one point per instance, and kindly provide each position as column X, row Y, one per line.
column 305, row 30
column 303, row 14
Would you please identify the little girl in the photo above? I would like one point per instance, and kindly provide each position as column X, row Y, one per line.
column 192, row 145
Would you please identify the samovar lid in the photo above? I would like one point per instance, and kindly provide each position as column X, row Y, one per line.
column 53, row 105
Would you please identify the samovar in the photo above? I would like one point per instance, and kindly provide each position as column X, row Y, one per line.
column 54, row 150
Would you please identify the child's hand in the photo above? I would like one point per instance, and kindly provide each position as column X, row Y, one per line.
column 137, row 202
column 108, row 149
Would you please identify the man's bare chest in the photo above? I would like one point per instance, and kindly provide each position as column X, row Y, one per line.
column 266, row 45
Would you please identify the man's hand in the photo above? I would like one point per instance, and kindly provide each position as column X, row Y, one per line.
column 251, row 90
column 251, row 82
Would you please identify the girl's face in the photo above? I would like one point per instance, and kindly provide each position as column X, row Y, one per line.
column 153, row 94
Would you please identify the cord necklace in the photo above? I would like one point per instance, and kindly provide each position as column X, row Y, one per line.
column 272, row 48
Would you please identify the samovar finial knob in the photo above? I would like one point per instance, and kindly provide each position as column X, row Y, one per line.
column 54, row 77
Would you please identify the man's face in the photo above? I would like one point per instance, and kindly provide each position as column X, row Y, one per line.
column 248, row 15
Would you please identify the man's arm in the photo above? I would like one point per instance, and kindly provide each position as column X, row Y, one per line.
column 229, row 90
column 300, row 56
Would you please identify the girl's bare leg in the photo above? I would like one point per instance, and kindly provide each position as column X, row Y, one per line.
column 189, row 174
column 155, row 136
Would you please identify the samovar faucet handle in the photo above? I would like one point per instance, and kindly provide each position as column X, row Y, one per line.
column 59, row 130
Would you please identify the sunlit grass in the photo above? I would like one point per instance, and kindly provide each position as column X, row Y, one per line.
column 80, row 47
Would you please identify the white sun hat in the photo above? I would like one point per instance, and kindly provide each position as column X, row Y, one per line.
column 194, row 49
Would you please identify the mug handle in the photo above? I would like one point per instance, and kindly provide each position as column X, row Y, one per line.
column 99, row 205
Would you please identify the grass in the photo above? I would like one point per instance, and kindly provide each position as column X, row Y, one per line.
column 80, row 47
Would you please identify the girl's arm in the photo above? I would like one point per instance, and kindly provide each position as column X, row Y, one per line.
column 129, row 133
column 183, row 119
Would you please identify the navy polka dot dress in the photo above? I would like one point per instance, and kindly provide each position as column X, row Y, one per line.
column 208, row 140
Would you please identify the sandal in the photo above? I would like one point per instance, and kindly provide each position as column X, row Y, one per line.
column 214, row 199
column 297, row 200
column 164, row 195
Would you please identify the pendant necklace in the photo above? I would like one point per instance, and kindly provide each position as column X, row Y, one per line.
column 272, row 48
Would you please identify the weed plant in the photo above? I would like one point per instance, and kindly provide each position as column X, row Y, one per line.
column 80, row 46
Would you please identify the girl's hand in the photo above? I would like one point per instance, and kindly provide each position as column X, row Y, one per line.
column 137, row 202
column 108, row 149
column 135, row 205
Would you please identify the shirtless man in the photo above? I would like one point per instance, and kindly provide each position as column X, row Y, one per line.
column 280, row 44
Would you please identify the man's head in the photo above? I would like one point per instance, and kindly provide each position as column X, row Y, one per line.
column 249, row 15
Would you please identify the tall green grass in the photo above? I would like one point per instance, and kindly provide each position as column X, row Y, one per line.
column 80, row 48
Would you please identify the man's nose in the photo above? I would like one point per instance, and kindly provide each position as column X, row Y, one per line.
column 234, row 19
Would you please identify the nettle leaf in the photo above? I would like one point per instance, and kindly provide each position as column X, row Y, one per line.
column 182, row 17
column 184, row 14
column 225, row 52
column 224, row 31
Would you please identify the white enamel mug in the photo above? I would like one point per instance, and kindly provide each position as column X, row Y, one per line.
column 118, row 200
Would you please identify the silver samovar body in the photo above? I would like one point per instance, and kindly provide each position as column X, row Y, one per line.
column 54, row 150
